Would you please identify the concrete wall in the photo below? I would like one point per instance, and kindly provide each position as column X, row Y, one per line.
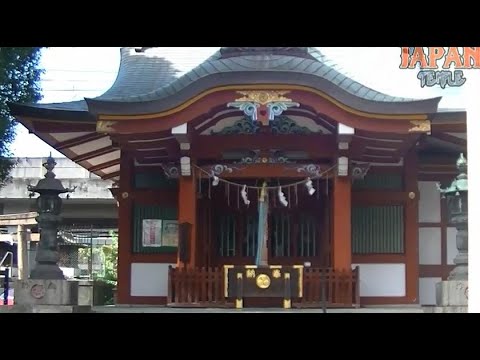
column 65, row 169
column 91, row 200
column 29, row 171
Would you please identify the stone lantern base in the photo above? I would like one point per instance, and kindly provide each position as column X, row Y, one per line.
column 47, row 271
column 452, row 297
column 38, row 295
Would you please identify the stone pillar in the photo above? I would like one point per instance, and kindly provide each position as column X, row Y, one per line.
column 22, row 252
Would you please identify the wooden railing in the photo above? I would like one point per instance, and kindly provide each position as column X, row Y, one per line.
column 197, row 287
column 205, row 287
column 330, row 288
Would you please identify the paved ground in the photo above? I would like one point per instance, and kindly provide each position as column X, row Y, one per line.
column 148, row 309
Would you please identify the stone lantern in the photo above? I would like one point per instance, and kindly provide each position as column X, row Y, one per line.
column 452, row 294
column 457, row 205
column 49, row 206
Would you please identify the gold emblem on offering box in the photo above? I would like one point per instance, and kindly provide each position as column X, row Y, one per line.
column 250, row 273
column 263, row 281
column 276, row 274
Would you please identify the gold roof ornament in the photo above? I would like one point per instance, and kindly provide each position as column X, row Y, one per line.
column 420, row 126
column 263, row 97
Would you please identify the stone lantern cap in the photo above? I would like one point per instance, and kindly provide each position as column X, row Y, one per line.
column 49, row 184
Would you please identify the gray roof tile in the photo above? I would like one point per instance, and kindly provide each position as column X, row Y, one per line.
column 353, row 87
column 79, row 105
column 370, row 94
column 330, row 75
column 362, row 91
column 313, row 66
column 145, row 77
column 337, row 80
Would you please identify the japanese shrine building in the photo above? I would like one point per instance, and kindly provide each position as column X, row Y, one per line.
column 350, row 172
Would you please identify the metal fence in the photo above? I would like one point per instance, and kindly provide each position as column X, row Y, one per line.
column 85, row 250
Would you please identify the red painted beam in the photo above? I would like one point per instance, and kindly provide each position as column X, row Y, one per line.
column 158, row 160
column 95, row 153
column 458, row 127
column 253, row 171
column 450, row 139
column 104, row 165
column 79, row 140
column 169, row 143
column 409, row 143
column 61, row 127
column 124, row 138
column 163, row 121
column 150, row 153
column 358, row 147
column 379, row 197
column 377, row 152
column 110, row 176
column 211, row 147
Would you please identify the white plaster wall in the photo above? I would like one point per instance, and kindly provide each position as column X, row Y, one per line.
column 430, row 246
column 382, row 279
column 149, row 279
column 452, row 250
column 427, row 290
column 429, row 202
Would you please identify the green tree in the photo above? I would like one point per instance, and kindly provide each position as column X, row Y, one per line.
column 108, row 281
column 105, row 280
column 110, row 253
column 106, row 255
column 19, row 82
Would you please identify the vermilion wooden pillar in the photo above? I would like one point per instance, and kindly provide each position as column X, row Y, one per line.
column 341, row 241
column 187, row 210
column 125, row 220
column 411, row 226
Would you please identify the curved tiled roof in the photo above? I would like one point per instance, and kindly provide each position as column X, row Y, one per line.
column 140, row 72
column 147, row 81
column 147, row 77
column 77, row 110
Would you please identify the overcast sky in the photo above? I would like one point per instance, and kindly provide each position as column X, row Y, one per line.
column 72, row 73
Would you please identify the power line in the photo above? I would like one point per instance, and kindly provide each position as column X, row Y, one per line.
column 61, row 90
column 67, row 80
column 83, row 71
